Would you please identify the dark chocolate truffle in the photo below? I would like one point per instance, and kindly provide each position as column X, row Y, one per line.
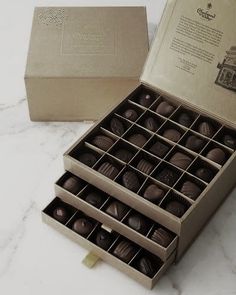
column 217, row 155
column 60, row 214
column 125, row 251
column 108, row 170
column 138, row 222
column 165, row 109
column 159, row 149
column 185, row 119
column 145, row 265
column 205, row 174
column 153, row 193
column 88, row 159
column 167, row 176
column 73, row 184
column 145, row 166
column 176, row 208
column 194, row 143
column 130, row 114
column 137, row 139
column 172, row 134
column 205, row 128
column 103, row 239
column 130, row 181
column 117, row 210
column 151, row 124
column 103, row 142
column 117, row 126
column 145, row 100
column 181, row 160
column 162, row 237
column 230, row 141
column 95, row 199
column 124, row 155
column 82, row 226
column 190, row 190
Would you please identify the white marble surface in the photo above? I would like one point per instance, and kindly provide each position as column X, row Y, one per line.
column 34, row 259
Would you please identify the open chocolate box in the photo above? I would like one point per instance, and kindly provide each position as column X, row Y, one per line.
column 108, row 246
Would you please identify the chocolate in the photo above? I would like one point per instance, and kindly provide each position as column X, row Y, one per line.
column 117, row 126
column 194, row 143
column 151, row 124
column 181, row 160
column 159, row 149
column 138, row 222
column 60, row 214
column 167, row 176
column 205, row 128
column 103, row 142
column 130, row 114
column 145, row 100
column 124, row 155
column 108, row 170
column 176, row 208
column 95, row 199
column 130, row 181
column 217, row 155
column 87, row 158
column 165, row 109
column 82, row 226
column 103, row 239
column 191, row 190
column 205, row 174
column 162, row 237
column 185, row 119
column 145, row 166
column 137, row 139
column 124, row 251
column 145, row 265
column 73, row 184
column 117, row 210
column 172, row 135
column 230, row 141
column 153, row 194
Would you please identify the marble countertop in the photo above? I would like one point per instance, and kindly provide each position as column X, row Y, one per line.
column 34, row 259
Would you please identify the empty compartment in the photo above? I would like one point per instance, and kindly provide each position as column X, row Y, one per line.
column 145, row 162
column 206, row 126
column 123, row 151
column 150, row 121
column 184, row 116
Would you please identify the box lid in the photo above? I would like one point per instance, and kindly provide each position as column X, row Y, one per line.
column 87, row 42
column 193, row 56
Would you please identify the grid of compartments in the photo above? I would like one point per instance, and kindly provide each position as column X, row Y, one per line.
column 156, row 147
column 144, row 263
column 116, row 215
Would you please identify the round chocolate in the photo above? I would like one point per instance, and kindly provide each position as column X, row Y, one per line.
column 145, row 166
column 145, row 100
column 124, row 155
column 60, row 214
column 230, row 141
column 185, row 119
column 194, row 143
column 117, row 126
column 151, row 124
column 82, row 226
column 73, row 184
column 162, row 237
column 103, row 239
column 217, row 155
column 87, row 158
column 138, row 222
column 191, row 190
column 205, row 174
column 130, row 181
column 137, row 139
column 145, row 265
column 165, row 109
column 95, row 199
column 181, row 160
column 172, row 135
column 205, row 128
column 167, row 176
column 103, row 142
column 176, row 208
column 130, row 114
column 108, row 170
column 153, row 194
